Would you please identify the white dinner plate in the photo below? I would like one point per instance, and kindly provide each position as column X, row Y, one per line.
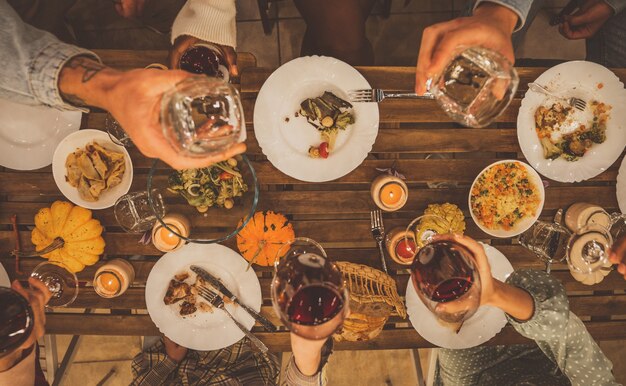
column 588, row 81
column 285, row 139
column 478, row 329
column 4, row 277
column 620, row 187
column 29, row 134
column 79, row 140
column 203, row 331
column 525, row 223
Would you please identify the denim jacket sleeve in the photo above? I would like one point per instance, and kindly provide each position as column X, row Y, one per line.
column 31, row 61
column 520, row 7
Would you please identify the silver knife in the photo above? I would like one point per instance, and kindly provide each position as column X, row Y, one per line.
column 215, row 282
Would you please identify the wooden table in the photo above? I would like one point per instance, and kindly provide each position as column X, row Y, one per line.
column 409, row 130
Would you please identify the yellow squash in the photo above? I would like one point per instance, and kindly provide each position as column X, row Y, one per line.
column 82, row 235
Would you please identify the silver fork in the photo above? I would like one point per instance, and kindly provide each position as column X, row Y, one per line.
column 377, row 95
column 218, row 302
column 378, row 231
column 577, row 103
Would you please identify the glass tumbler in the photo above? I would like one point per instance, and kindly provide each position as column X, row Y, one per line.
column 202, row 116
column 134, row 213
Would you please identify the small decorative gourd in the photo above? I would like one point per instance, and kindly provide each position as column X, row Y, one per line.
column 81, row 235
column 261, row 239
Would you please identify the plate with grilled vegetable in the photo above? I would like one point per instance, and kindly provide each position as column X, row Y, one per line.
column 175, row 304
column 565, row 143
column 306, row 125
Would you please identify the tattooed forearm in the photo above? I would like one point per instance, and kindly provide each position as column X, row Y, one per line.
column 90, row 67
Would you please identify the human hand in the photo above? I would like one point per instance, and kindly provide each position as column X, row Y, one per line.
column 617, row 255
column 490, row 26
column 587, row 20
column 129, row 8
column 183, row 42
column 307, row 353
column 173, row 350
column 135, row 102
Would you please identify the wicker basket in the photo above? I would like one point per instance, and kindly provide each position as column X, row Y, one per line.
column 373, row 298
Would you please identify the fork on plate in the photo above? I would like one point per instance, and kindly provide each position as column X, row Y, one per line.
column 577, row 103
column 378, row 232
column 216, row 301
column 377, row 95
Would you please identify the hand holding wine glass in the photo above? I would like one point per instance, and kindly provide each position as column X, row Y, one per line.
column 617, row 255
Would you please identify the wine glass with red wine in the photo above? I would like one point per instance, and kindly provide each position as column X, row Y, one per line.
column 16, row 320
column 443, row 271
column 61, row 282
column 308, row 292
column 206, row 59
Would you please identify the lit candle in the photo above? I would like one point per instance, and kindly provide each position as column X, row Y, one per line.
column 401, row 248
column 113, row 278
column 389, row 192
column 167, row 239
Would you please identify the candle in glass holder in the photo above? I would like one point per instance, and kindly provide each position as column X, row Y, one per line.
column 389, row 192
column 400, row 247
column 167, row 240
column 113, row 278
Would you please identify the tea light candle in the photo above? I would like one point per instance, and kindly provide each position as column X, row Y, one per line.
column 167, row 240
column 389, row 192
column 113, row 278
column 400, row 247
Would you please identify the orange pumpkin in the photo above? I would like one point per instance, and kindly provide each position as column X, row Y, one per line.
column 260, row 240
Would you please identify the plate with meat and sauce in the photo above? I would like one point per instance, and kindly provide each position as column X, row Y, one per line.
column 186, row 318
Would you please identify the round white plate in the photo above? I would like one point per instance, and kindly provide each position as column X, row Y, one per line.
column 285, row 139
column 203, row 331
column 478, row 329
column 620, row 188
column 79, row 140
column 29, row 134
column 575, row 79
column 522, row 225
column 4, row 277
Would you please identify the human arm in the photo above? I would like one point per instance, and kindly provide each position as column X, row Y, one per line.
column 206, row 21
column 307, row 361
column 490, row 26
column 18, row 367
column 591, row 16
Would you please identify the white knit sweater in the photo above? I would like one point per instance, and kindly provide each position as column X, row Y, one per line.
column 209, row 20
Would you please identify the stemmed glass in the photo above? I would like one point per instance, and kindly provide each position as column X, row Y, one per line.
column 16, row 320
column 61, row 282
column 134, row 213
column 308, row 291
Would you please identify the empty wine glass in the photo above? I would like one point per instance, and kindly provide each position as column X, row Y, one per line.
column 308, row 291
column 476, row 86
column 202, row 116
column 16, row 320
column 548, row 241
column 62, row 283
column 588, row 249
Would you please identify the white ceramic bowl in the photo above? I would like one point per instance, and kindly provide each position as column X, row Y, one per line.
column 523, row 224
column 79, row 140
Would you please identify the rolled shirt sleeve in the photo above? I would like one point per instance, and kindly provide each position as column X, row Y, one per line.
column 520, row 7
column 559, row 333
column 209, row 20
column 31, row 61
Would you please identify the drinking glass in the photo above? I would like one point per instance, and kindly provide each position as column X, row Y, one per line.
column 62, row 283
column 116, row 133
column 308, row 291
column 207, row 59
column 476, row 86
column 548, row 241
column 16, row 320
column 134, row 213
column 424, row 228
column 588, row 249
column 202, row 116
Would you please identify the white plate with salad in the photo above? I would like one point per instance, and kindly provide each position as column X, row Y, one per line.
column 304, row 124
column 566, row 145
